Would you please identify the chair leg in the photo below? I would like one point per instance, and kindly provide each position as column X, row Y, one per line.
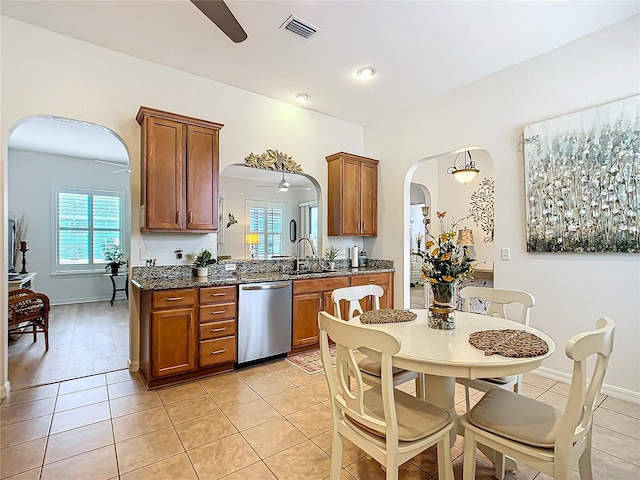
column 420, row 386
column 584, row 463
column 392, row 467
column 499, row 465
column 469, row 459
column 336, row 456
column 445, row 466
column 34, row 329
column 467, row 397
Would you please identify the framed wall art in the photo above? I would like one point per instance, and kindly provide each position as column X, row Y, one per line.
column 582, row 180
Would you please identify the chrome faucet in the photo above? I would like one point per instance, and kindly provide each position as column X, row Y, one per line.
column 314, row 254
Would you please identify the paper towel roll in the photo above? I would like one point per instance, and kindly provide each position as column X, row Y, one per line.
column 354, row 257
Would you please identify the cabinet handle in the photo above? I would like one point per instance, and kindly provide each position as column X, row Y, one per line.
column 217, row 313
column 214, row 330
column 217, row 294
column 319, row 303
column 363, row 226
column 218, row 351
column 190, row 217
column 173, row 299
column 190, row 317
column 372, row 279
column 177, row 216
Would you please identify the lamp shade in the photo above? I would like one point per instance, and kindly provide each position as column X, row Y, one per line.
column 465, row 175
column 465, row 237
column 252, row 239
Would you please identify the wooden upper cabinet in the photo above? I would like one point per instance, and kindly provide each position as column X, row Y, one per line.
column 352, row 195
column 180, row 170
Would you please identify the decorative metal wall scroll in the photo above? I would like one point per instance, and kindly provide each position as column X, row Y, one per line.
column 482, row 201
column 273, row 160
column 582, row 180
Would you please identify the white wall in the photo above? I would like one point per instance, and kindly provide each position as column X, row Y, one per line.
column 571, row 290
column 32, row 179
column 47, row 73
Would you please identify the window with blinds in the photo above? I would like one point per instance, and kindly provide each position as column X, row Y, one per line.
column 265, row 220
column 87, row 221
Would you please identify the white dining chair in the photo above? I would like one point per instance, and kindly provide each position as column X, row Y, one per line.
column 370, row 367
column 540, row 435
column 388, row 424
column 498, row 299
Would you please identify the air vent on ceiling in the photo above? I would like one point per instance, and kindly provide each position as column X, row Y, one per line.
column 300, row 27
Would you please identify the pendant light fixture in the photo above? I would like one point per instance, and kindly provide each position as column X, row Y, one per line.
column 465, row 173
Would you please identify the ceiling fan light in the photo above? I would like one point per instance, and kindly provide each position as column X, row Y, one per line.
column 283, row 188
column 303, row 97
column 465, row 175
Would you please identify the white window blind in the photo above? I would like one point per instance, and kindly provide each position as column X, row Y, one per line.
column 86, row 222
column 265, row 219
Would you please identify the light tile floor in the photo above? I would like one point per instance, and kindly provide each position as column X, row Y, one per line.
column 266, row 422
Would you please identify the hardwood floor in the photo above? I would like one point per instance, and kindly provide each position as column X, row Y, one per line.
column 84, row 339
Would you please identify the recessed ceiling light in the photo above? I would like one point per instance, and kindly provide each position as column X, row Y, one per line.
column 365, row 73
column 303, row 97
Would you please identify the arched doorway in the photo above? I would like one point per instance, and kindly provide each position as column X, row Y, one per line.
column 68, row 186
column 446, row 194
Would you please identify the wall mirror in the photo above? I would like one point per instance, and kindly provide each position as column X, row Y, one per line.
column 269, row 204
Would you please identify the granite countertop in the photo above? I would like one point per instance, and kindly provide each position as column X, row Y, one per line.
column 165, row 283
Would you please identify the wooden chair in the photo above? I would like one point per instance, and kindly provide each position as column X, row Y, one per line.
column 388, row 424
column 498, row 299
column 31, row 308
column 369, row 367
column 541, row 435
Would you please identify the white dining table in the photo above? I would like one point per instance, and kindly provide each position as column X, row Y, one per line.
column 443, row 355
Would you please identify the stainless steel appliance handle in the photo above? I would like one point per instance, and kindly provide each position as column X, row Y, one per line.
column 273, row 286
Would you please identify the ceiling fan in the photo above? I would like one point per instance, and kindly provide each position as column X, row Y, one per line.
column 218, row 12
column 123, row 168
column 284, row 186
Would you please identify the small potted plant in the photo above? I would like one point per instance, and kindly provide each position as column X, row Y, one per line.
column 331, row 252
column 114, row 255
column 203, row 260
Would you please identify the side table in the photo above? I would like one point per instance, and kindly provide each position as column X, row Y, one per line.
column 125, row 289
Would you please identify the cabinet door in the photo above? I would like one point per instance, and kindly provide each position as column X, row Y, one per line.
column 202, row 179
column 351, row 222
column 305, row 319
column 173, row 342
column 163, row 175
column 369, row 199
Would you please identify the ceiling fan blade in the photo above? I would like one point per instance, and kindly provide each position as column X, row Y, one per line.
column 218, row 12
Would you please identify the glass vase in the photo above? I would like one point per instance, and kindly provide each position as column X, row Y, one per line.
column 441, row 315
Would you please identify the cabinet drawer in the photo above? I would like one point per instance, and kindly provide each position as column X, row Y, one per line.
column 173, row 298
column 222, row 350
column 319, row 285
column 371, row 279
column 220, row 311
column 217, row 294
column 217, row 329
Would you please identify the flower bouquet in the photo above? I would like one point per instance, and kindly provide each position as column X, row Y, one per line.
column 444, row 263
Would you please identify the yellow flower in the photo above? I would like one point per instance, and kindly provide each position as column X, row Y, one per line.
column 432, row 280
column 435, row 252
column 446, row 256
column 447, row 278
column 429, row 244
column 443, row 237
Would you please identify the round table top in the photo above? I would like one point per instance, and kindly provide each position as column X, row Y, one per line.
column 449, row 353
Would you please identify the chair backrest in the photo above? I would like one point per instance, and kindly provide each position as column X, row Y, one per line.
column 583, row 394
column 498, row 299
column 353, row 295
column 347, row 387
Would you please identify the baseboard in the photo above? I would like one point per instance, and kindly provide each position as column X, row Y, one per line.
column 609, row 390
column 133, row 366
column 5, row 389
column 69, row 301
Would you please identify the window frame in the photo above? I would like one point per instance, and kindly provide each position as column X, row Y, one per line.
column 266, row 233
column 91, row 267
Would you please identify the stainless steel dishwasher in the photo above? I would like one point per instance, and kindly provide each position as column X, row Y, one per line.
column 264, row 320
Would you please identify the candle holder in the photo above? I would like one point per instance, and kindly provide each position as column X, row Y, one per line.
column 24, row 250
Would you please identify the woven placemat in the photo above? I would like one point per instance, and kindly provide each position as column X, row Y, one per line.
column 387, row 315
column 509, row 343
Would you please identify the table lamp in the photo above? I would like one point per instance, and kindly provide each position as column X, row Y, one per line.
column 252, row 239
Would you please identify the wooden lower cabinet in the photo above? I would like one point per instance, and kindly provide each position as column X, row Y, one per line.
column 385, row 280
column 310, row 297
column 186, row 333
